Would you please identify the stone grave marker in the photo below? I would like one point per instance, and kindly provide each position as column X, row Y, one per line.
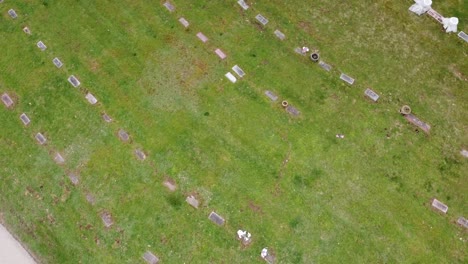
column 25, row 119
column 73, row 81
column 58, row 158
column 415, row 121
column 463, row 222
column 463, row 36
column 434, row 14
column 202, row 37
column 90, row 198
column 280, row 34
column 41, row 45
column 231, row 77
column 12, row 13
column 107, row 219
column 217, row 219
column 184, row 22
column 170, row 184
column 271, row 95
column 439, row 206
column 220, row 54
column 192, row 201
column 371, row 94
column 140, row 154
column 292, row 110
column 243, row 4
column 123, row 135
column 261, row 19
column 40, row 138
column 268, row 256
column 27, row 30
column 6, row 99
column 74, row 178
column 106, row 118
column 150, row 258
column 238, row 70
column 91, row 99
column 169, row 6
column 464, row 153
column 57, row 62
column 298, row 50
column 347, row 78
column 325, row 66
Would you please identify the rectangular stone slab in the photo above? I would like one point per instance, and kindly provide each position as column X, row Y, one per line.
column 261, row 19
column 463, row 36
column 231, row 77
column 91, row 99
column 25, row 119
column 243, row 4
column 434, row 14
column 298, row 50
column 41, row 45
column 184, row 22
column 169, row 7
column 464, row 153
column 150, row 258
column 325, row 66
column 463, row 222
column 57, row 62
column 12, row 13
column 220, row 54
column 106, row 118
column 27, row 30
column 271, row 95
column 347, row 78
column 292, row 110
column 74, row 178
column 439, row 206
column 73, row 81
column 170, row 184
column 202, row 37
column 58, row 158
column 371, row 94
column 123, row 135
column 415, row 121
column 217, row 219
column 40, row 138
column 280, row 34
column 107, row 219
column 6, row 99
column 238, row 70
column 140, row 154
column 192, row 201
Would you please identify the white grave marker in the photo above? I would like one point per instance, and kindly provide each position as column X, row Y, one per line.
column 58, row 158
column 325, row 66
column 140, row 154
column 169, row 7
column 27, row 30
column 40, row 138
column 231, row 77
column 202, row 37
column 216, row 218
column 150, row 258
column 371, row 94
column 238, row 70
column 91, row 99
column 271, row 95
column 261, row 19
column 184, row 22
column 463, row 36
column 347, row 78
column 123, row 135
column 243, row 4
column 192, row 201
column 7, row 100
column 280, row 34
column 74, row 81
column 463, row 222
column 57, row 62
column 106, row 118
column 12, row 13
column 464, row 153
column 220, row 54
column 439, row 206
column 25, row 119
column 41, row 45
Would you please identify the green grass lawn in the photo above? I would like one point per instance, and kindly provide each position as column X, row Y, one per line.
column 306, row 195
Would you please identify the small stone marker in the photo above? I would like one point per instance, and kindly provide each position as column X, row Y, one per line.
column 220, row 54
column 463, row 36
column 106, row 118
column 434, row 14
column 325, row 66
column 217, row 219
column 58, row 158
column 192, row 201
column 261, row 19
column 40, row 138
column 73, row 178
column 243, row 4
column 41, row 45
column 267, row 256
column 202, row 37
column 27, row 30
column 464, row 153
column 107, row 219
column 57, row 62
column 298, row 50
column 238, row 70
column 25, row 119
column 74, row 81
column 169, row 7
column 170, row 184
column 140, row 154
column 439, row 206
column 150, row 258
column 415, row 121
column 91, row 99
column 12, row 13
column 90, row 198
column 231, row 77
column 292, row 110
column 347, row 78
column 280, row 35
column 123, row 135
column 6, row 99
column 463, row 222
column 371, row 94
column 271, row 95
column 184, row 22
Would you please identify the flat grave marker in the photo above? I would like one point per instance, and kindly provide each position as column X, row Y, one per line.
column 464, row 153
column 73, row 178
column 12, row 13
column 231, row 77
column 6, row 99
column 220, row 54
column 371, row 94
column 40, row 138
column 150, row 258
column 280, row 34
column 184, row 22
column 292, row 110
column 261, row 19
column 170, row 184
column 91, row 99
column 123, row 135
column 58, row 158
column 216, row 218
column 271, row 95
column 41, row 45
column 243, row 4
column 90, row 198
column 415, row 121
column 347, row 78
column 106, row 118
column 57, row 62
column 434, row 14
column 325, row 66
column 463, row 222
column 463, row 36
column 140, row 154
column 25, row 119
column 27, row 30
column 298, row 50
column 73, row 81
column 192, row 201
column 439, row 206
column 169, row 6
column 238, row 71
column 107, row 219
column 202, row 37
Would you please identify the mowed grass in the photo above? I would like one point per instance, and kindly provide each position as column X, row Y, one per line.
column 309, row 197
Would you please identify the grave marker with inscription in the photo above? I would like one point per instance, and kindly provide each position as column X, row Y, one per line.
column 280, row 34
column 73, row 81
column 292, row 110
column 27, row 30
column 238, row 70
column 371, row 94
column 57, row 62
column 202, row 37
column 40, row 138
column 169, row 7
column 6, row 99
column 150, row 258
column 271, row 95
column 243, row 4
column 463, row 36
column 220, row 54
column 123, row 135
column 41, row 45
column 192, row 201
column 439, row 206
column 25, row 119
column 462, row 221
column 12, row 13
column 217, row 219
column 106, row 118
column 261, row 19
column 184, row 22
column 140, row 154
column 325, row 66
column 415, row 121
column 58, row 158
column 107, row 219
column 91, row 99
column 347, row 78
column 73, row 178
column 231, row 77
